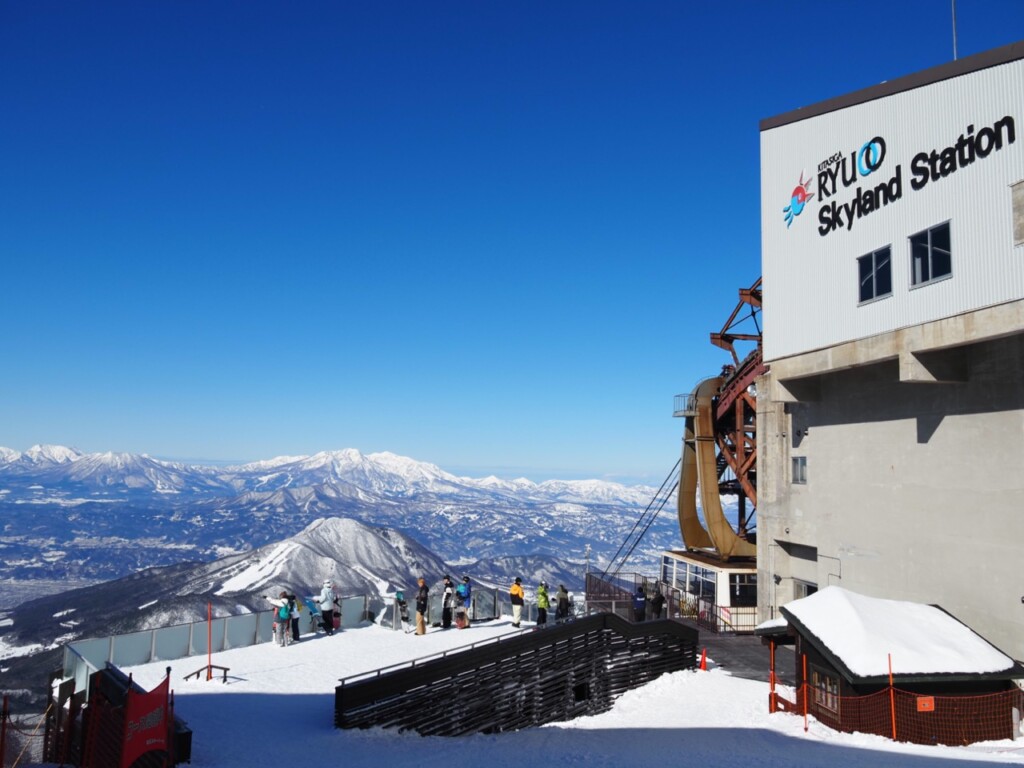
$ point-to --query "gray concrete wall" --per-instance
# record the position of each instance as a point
(915, 491)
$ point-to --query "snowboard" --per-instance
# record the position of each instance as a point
(316, 618)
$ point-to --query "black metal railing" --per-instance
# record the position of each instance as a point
(614, 594)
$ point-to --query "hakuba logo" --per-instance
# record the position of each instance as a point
(797, 201)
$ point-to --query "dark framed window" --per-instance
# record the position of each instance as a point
(743, 589)
(875, 270)
(931, 255)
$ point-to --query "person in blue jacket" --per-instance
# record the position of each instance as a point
(465, 599)
(639, 605)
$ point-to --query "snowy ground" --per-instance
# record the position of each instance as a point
(708, 719)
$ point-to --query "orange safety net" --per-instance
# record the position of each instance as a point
(954, 720)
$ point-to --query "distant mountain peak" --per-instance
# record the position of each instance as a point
(264, 464)
(52, 454)
(344, 456)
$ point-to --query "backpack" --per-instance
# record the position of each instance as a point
(284, 612)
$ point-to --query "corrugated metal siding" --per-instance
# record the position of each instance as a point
(811, 281)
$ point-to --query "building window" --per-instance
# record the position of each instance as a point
(875, 271)
(930, 255)
(800, 470)
(702, 582)
(802, 589)
(680, 580)
(826, 689)
(667, 564)
(743, 589)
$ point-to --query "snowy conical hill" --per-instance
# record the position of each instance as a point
(359, 559)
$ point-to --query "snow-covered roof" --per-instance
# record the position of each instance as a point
(862, 632)
(771, 626)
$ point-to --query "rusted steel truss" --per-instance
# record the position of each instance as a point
(736, 406)
(738, 444)
(750, 300)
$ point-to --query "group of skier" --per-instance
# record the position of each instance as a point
(287, 612)
(544, 601)
(518, 599)
(457, 602)
(456, 606)
(642, 606)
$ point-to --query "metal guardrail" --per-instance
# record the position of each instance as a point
(614, 594)
(419, 662)
(684, 405)
(486, 605)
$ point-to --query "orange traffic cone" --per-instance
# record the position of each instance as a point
(704, 660)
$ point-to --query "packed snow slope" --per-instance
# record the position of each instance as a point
(706, 719)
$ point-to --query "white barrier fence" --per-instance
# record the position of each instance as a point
(83, 657)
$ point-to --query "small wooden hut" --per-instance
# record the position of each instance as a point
(904, 670)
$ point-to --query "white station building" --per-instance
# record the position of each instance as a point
(891, 418)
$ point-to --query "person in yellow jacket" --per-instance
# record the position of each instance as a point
(516, 595)
(543, 603)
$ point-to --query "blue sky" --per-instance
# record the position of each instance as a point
(493, 236)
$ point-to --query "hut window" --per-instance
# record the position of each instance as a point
(826, 689)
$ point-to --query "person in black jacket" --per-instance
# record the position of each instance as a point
(447, 601)
(656, 604)
(561, 604)
(421, 607)
(294, 600)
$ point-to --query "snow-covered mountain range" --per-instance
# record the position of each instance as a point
(100, 516)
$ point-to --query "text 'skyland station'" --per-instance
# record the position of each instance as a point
(841, 172)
